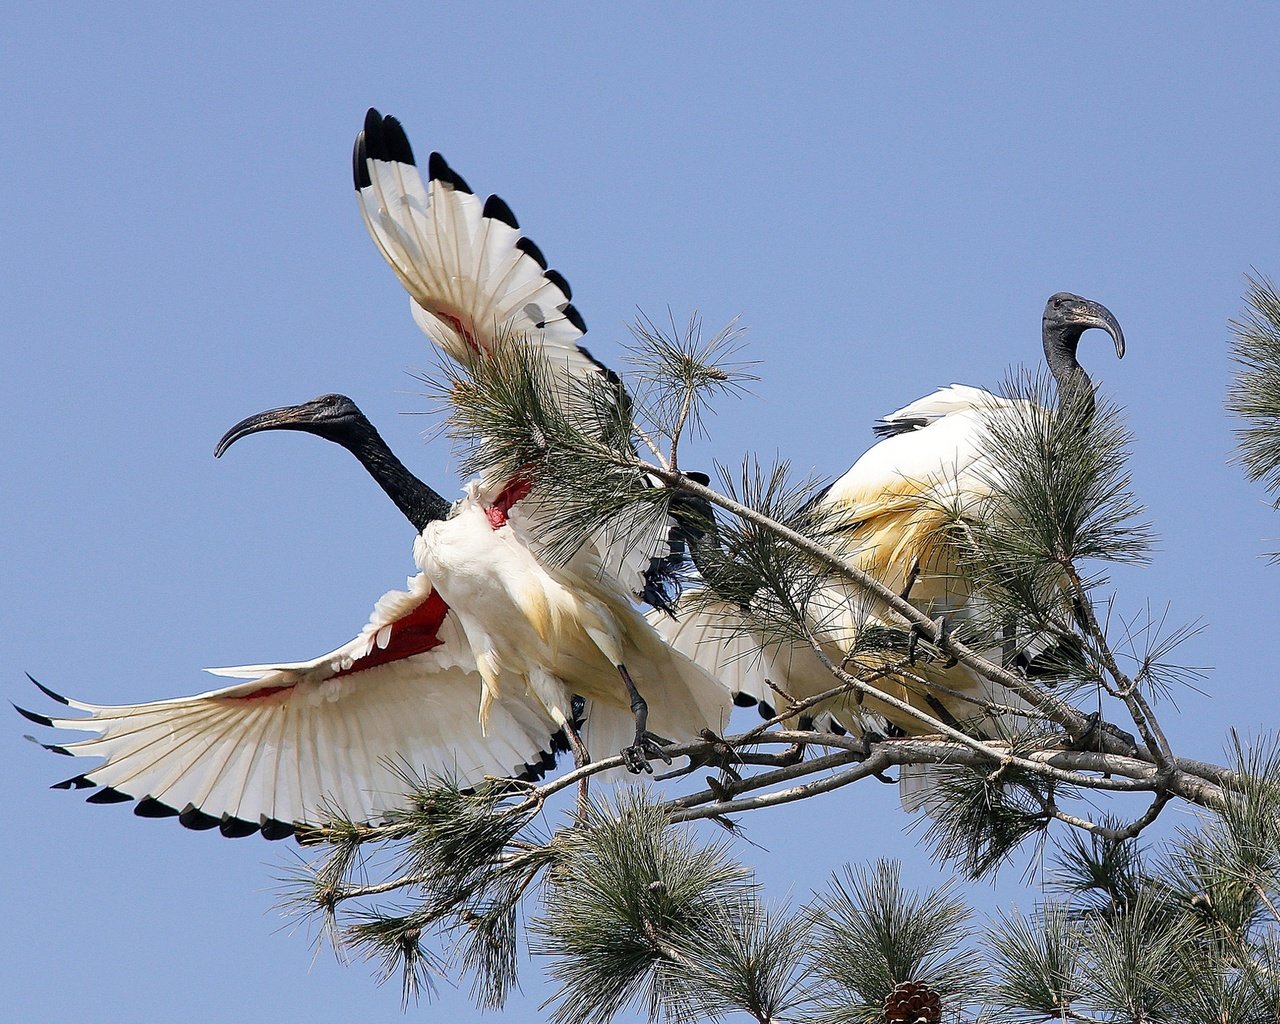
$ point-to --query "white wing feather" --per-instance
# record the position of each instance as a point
(303, 738)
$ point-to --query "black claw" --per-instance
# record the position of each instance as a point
(636, 757)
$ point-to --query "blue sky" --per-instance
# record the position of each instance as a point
(885, 195)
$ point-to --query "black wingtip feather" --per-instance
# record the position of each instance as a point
(107, 795)
(384, 139)
(904, 425)
(32, 716)
(396, 142)
(766, 710)
(530, 249)
(744, 700)
(46, 691)
(237, 828)
(495, 208)
(273, 829)
(75, 782)
(574, 317)
(150, 807)
(439, 170)
(360, 164)
(557, 279)
(193, 818)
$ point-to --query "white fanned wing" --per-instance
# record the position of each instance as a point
(339, 733)
(476, 284)
(474, 281)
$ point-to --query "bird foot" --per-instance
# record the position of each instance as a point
(1087, 740)
(942, 632)
(646, 747)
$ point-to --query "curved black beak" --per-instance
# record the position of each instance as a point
(1088, 313)
(288, 417)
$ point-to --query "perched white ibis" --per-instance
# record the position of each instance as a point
(888, 514)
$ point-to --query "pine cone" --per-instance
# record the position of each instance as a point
(913, 1002)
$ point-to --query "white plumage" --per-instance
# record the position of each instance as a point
(472, 671)
(891, 510)
(340, 732)
(475, 284)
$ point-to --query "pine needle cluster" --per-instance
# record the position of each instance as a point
(1184, 936)
(1254, 395)
(1058, 495)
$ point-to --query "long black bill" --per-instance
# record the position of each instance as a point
(288, 417)
(1094, 314)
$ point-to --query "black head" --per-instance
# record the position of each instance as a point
(334, 417)
(1068, 316)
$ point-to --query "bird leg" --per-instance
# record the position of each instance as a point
(581, 758)
(943, 627)
(636, 757)
(1009, 654)
(913, 574)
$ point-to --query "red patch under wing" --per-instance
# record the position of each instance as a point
(468, 335)
(516, 488)
(411, 634)
(266, 691)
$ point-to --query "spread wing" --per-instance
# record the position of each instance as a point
(296, 741)
(476, 284)
(474, 281)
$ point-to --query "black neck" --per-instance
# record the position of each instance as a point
(1074, 384)
(420, 504)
